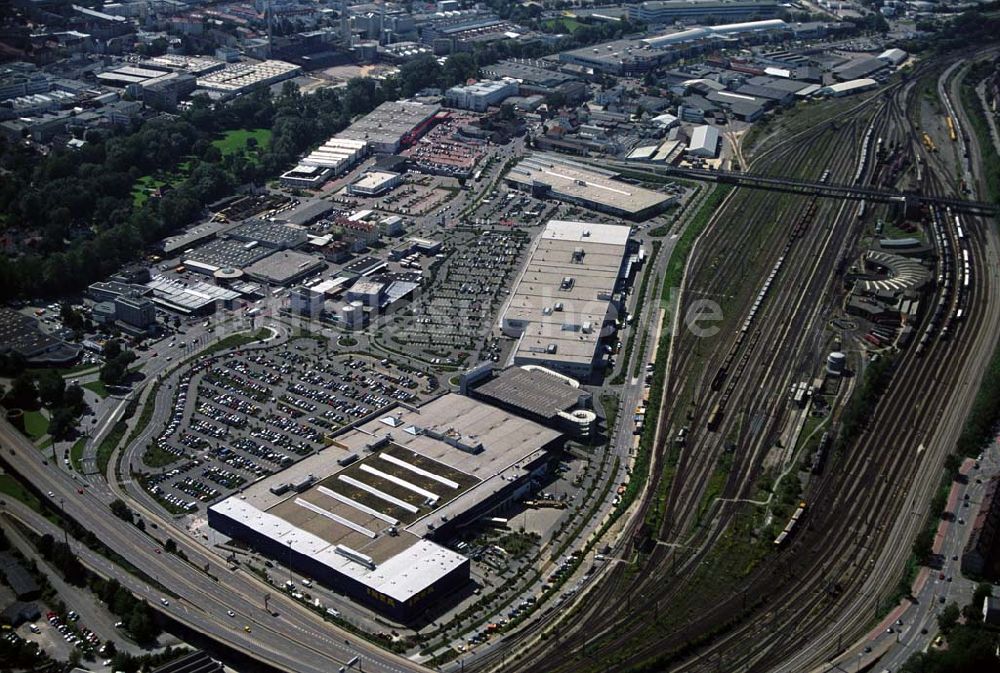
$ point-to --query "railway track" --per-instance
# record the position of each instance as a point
(690, 471)
(831, 559)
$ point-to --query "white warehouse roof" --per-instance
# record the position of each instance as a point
(851, 86)
(693, 34)
(704, 139)
(893, 56)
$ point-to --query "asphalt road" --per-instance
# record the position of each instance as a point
(297, 640)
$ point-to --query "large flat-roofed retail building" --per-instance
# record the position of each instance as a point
(566, 293)
(284, 267)
(669, 11)
(391, 125)
(361, 515)
(547, 175)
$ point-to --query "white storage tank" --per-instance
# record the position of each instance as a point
(835, 363)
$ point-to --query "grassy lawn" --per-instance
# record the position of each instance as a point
(157, 457)
(97, 387)
(610, 403)
(147, 184)
(12, 488)
(35, 424)
(234, 142)
(76, 453)
(65, 372)
(565, 24)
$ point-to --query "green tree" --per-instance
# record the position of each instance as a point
(112, 349)
(420, 73)
(22, 392)
(948, 617)
(62, 423)
(73, 398)
(923, 545)
(121, 510)
(51, 388)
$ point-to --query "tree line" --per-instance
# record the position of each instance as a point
(77, 206)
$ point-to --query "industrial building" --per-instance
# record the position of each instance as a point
(239, 78)
(269, 234)
(223, 253)
(859, 69)
(361, 516)
(305, 177)
(306, 301)
(135, 311)
(889, 274)
(552, 176)
(391, 125)
(374, 183)
(536, 393)
(704, 142)
(481, 95)
(633, 56)
(334, 157)
(21, 334)
(847, 88)
(284, 267)
(568, 290)
(196, 298)
(893, 57)
(669, 11)
(537, 78)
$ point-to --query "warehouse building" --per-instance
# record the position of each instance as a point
(223, 253)
(21, 334)
(392, 125)
(361, 516)
(552, 176)
(269, 234)
(704, 142)
(847, 88)
(196, 298)
(135, 311)
(284, 267)
(569, 289)
(893, 57)
(374, 183)
(481, 95)
(693, 11)
(535, 393)
(239, 78)
(334, 157)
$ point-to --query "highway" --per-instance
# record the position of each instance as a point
(296, 640)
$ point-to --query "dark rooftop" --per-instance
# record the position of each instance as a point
(534, 391)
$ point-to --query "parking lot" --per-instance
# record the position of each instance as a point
(455, 316)
(245, 415)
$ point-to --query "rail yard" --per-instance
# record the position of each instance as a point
(667, 347)
(840, 550)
